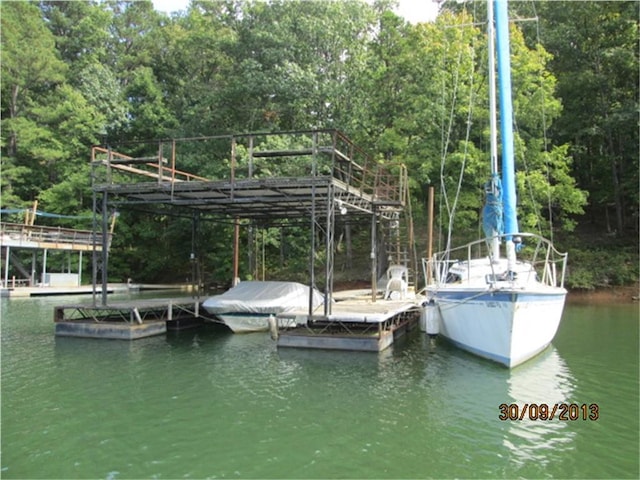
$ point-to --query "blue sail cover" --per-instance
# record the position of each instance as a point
(506, 116)
(492, 213)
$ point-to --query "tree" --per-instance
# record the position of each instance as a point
(26, 72)
(595, 58)
(81, 31)
(438, 121)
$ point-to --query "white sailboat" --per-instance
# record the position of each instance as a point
(506, 309)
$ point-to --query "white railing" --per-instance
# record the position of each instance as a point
(546, 262)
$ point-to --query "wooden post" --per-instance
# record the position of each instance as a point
(430, 236)
(30, 216)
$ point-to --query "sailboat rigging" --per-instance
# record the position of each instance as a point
(506, 309)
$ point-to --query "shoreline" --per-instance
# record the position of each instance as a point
(622, 294)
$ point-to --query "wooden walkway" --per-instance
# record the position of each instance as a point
(17, 235)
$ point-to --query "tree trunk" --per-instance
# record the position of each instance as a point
(13, 112)
(615, 179)
(347, 239)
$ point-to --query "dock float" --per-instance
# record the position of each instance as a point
(127, 320)
(357, 325)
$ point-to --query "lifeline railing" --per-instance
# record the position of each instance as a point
(543, 257)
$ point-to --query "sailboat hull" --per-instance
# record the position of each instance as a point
(508, 327)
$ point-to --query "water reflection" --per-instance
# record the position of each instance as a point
(463, 393)
(307, 357)
(544, 382)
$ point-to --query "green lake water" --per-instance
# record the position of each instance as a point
(206, 403)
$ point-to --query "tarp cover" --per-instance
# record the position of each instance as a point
(263, 297)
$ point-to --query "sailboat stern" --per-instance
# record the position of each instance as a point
(536, 320)
(508, 327)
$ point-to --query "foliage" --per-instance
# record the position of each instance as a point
(117, 72)
(595, 54)
(591, 268)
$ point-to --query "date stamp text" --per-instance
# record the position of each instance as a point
(543, 411)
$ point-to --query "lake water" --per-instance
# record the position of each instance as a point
(210, 404)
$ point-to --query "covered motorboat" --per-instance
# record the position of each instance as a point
(248, 306)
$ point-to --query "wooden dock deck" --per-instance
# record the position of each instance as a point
(127, 320)
(354, 324)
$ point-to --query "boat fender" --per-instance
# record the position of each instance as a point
(430, 318)
(273, 327)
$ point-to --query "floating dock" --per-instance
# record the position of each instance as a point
(354, 324)
(127, 320)
(360, 325)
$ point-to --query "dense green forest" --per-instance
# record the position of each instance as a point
(83, 73)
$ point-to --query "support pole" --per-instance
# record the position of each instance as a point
(80, 269)
(195, 257)
(105, 247)
(236, 253)
(330, 235)
(173, 160)
(6, 267)
(312, 253)
(94, 236)
(374, 256)
(44, 267)
(430, 236)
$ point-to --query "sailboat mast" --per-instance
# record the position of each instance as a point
(492, 90)
(493, 182)
(506, 117)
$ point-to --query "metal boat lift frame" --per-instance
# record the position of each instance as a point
(336, 176)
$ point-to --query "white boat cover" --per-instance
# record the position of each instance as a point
(263, 297)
